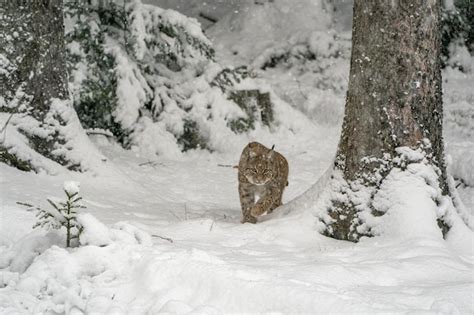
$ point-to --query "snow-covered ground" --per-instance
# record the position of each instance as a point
(214, 264)
(165, 235)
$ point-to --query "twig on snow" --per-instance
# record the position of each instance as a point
(228, 165)
(100, 133)
(206, 16)
(174, 215)
(152, 163)
(163, 238)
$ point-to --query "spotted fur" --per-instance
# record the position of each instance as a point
(263, 173)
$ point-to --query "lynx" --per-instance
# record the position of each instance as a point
(263, 173)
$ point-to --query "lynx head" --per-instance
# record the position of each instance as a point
(260, 165)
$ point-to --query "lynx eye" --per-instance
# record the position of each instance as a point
(268, 172)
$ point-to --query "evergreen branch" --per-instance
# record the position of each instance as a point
(53, 204)
(77, 199)
(70, 196)
(24, 204)
(62, 214)
(4, 128)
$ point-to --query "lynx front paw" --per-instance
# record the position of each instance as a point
(248, 219)
(256, 211)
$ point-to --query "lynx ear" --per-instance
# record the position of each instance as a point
(270, 152)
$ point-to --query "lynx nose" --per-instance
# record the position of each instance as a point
(260, 179)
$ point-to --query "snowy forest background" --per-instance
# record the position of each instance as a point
(164, 95)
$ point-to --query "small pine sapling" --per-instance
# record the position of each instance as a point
(63, 214)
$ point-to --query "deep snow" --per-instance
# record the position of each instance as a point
(214, 264)
(163, 234)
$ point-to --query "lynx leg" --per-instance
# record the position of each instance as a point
(260, 207)
(272, 203)
(247, 200)
(248, 218)
(263, 205)
(277, 201)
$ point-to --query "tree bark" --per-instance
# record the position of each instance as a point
(394, 97)
(33, 70)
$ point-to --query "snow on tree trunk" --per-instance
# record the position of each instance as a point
(36, 115)
(394, 100)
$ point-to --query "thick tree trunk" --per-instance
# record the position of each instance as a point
(394, 98)
(33, 74)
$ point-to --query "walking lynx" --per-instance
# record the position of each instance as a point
(263, 173)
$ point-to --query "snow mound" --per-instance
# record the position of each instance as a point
(272, 268)
(75, 149)
(60, 280)
(408, 200)
(94, 233)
